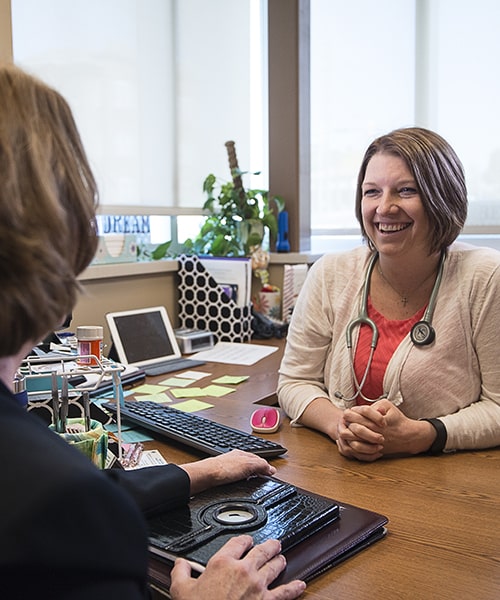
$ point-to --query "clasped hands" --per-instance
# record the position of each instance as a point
(369, 432)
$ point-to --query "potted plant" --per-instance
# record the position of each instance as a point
(238, 218)
(240, 221)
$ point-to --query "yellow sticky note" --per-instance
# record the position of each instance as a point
(231, 379)
(217, 390)
(194, 392)
(156, 398)
(192, 405)
(149, 388)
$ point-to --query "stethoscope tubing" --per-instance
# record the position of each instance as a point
(422, 333)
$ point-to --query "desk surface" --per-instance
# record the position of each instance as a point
(444, 526)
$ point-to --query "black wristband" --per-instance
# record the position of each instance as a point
(439, 443)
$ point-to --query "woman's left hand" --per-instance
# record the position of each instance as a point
(397, 434)
(402, 434)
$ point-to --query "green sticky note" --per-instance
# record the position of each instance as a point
(131, 436)
(159, 398)
(149, 388)
(193, 405)
(113, 427)
(231, 379)
(217, 390)
(194, 392)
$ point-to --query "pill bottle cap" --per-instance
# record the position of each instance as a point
(89, 332)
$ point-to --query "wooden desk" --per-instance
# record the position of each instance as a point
(444, 527)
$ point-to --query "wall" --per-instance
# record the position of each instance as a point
(101, 296)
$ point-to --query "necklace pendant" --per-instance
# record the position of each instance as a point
(404, 300)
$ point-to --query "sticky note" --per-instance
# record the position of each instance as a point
(193, 375)
(194, 392)
(159, 398)
(193, 405)
(231, 379)
(149, 388)
(217, 390)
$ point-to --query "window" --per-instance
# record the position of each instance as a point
(360, 87)
(394, 63)
(157, 88)
(202, 67)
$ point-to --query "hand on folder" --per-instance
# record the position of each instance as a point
(237, 572)
(225, 468)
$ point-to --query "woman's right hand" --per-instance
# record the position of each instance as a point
(225, 468)
(360, 433)
(237, 571)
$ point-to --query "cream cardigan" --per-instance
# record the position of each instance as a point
(457, 378)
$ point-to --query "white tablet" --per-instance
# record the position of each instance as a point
(143, 337)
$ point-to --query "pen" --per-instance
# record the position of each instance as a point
(55, 401)
(118, 395)
(86, 410)
(64, 404)
(196, 567)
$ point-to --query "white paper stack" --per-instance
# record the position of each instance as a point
(233, 272)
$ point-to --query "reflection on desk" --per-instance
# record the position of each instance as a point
(444, 532)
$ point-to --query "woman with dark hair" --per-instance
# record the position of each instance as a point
(67, 529)
(392, 348)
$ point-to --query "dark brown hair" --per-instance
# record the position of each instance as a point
(438, 174)
(48, 198)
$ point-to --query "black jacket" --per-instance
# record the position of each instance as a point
(67, 529)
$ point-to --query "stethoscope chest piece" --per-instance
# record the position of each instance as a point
(422, 333)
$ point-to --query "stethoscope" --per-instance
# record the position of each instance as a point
(422, 333)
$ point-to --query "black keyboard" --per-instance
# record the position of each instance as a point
(169, 366)
(200, 433)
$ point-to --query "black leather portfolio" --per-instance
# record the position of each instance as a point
(316, 532)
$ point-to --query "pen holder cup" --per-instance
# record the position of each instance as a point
(93, 443)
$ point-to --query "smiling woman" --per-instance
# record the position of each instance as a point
(429, 165)
(393, 215)
(368, 347)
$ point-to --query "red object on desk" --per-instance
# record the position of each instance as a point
(265, 420)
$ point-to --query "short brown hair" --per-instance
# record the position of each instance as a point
(48, 198)
(438, 174)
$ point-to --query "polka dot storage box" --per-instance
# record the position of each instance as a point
(205, 305)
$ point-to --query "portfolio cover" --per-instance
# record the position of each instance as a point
(315, 532)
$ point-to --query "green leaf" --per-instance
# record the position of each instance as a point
(270, 221)
(161, 251)
(209, 184)
(280, 203)
(254, 239)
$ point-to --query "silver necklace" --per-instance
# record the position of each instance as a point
(403, 297)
